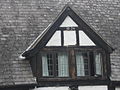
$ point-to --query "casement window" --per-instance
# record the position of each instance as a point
(83, 64)
(88, 63)
(68, 49)
(55, 64)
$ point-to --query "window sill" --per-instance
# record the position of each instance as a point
(71, 79)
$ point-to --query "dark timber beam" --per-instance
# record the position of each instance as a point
(73, 87)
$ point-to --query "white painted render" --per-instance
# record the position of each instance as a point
(92, 88)
(79, 88)
(117, 88)
(55, 40)
(52, 88)
(69, 38)
(85, 40)
(68, 22)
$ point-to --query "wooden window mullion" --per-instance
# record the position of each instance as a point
(88, 58)
(54, 64)
(92, 63)
(72, 64)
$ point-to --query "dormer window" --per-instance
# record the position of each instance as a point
(69, 49)
(57, 63)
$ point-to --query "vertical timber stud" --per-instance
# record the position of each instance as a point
(72, 64)
(111, 87)
(73, 87)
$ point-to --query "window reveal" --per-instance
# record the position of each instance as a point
(55, 64)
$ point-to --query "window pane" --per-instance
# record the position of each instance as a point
(69, 38)
(55, 40)
(98, 59)
(62, 64)
(82, 62)
(85, 40)
(55, 63)
(47, 64)
(44, 65)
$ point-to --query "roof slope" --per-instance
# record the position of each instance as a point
(21, 21)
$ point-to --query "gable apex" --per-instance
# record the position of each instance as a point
(68, 22)
(76, 20)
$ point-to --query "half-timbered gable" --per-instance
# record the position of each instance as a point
(70, 53)
(59, 44)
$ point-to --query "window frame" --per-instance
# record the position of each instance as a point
(74, 49)
(48, 50)
(88, 58)
(94, 51)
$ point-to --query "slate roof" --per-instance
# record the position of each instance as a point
(21, 21)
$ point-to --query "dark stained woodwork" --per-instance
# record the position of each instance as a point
(62, 38)
(77, 37)
(39, 65)
(111, 86)
(73, 87)
(77, 82)
(18, 87)
(104, 64)
(33, 63)
(72, 64)
(92, 64)
(69, 28)
(108, 65)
